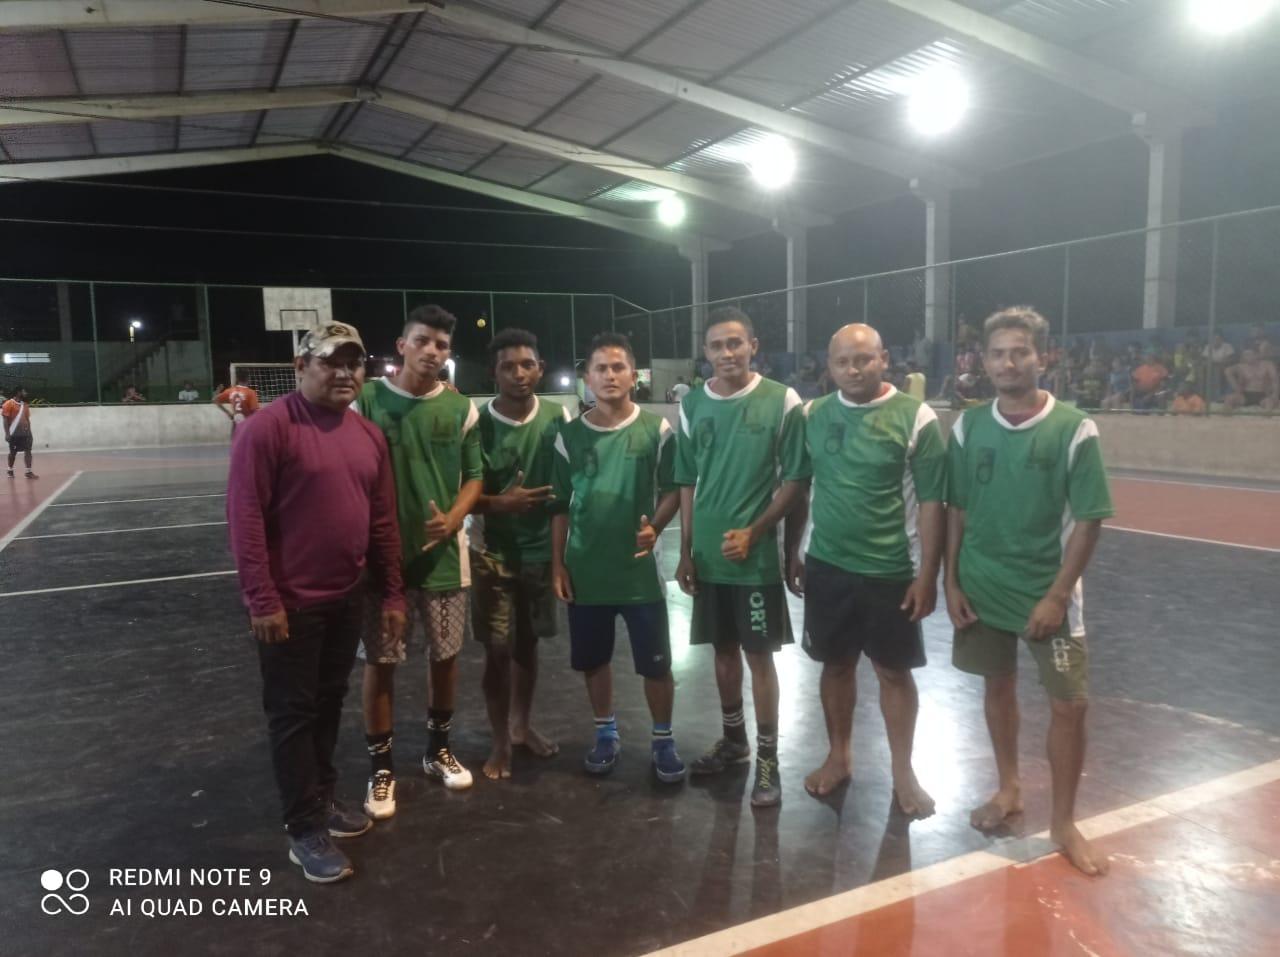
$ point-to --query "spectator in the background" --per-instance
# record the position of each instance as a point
(678, 391)
(916, 383)
(1057, 379)
(1091, 385)
(805, 379)
(1260, 344)
(188, 393)
(16, 413)
(1188, 401)
(1119, 386)
(1149, 383)
(1253, 383)
(921, 350)
(1218, 355)
(131, 394)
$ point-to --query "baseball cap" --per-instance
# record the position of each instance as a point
(323, 341)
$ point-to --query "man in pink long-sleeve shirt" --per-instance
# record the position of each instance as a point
(310, 499)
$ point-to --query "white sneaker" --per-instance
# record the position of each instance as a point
(380, 796)
(446, 769)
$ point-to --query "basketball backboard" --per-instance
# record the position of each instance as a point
(286, 308)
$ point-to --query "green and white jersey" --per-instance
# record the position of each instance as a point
(434, 449)
(607, 479)
(510, 446)
(1022, 489)
(735, 450)
(873, 464)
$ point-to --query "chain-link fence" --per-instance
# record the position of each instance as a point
(86, 342)
(1161, 294)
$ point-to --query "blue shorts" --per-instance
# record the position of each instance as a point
(592, 629)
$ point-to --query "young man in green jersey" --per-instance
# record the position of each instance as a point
(1027, 494)
(741, 466)
(614, 495)
(871, 553)
(435, 454)
(512, 604)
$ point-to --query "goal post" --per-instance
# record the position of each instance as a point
(269, 379)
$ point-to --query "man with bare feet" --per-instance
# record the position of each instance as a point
(1027, 494)
(1253, 383)
(868, 568)
(512, 604)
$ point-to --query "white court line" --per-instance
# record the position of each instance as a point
(808, 917)
(115, 531)
(35, 513)
(1230, 488)
(132, 581)
(1190, 538)
(127, 501)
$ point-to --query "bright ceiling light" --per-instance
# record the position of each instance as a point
(772, 162)
(1226, 16)
(937, 101)
(671, 210)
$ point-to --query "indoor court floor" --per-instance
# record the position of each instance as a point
(132, 737)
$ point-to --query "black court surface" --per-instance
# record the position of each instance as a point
(133, 745)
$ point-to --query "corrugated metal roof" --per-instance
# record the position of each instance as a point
(674, 131)
(514, 166)
(525, 10)
(576, 183)
(217, 132)
(383, 130)
(1067, 20)
(525, 86)
(617, 26)
(295, 126)
(439, 68)
(25, 143)
(35, 64)
(601, 110)
(327, 51)
(453, 149)
(126, 61)
(115, 137)
(236, 57)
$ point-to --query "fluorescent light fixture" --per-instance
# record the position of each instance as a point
(772, 162)
(671, 211)
(1221, 17)
(26, 358)
(937, 101)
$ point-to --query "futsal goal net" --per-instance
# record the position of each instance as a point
(269, 379)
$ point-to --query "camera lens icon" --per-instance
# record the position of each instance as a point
(74, 880)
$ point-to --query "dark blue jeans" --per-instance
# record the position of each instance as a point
(304, 681)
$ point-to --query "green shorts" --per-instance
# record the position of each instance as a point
(512, 606)
(1063, 659)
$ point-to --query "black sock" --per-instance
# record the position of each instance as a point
(735, 722)
(439, 721)
(379, 746)
(767, 741)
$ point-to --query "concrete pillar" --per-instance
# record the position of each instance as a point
(694, 249)
(64, 312)
(937, 249)
(797, 275)
(1164, 205)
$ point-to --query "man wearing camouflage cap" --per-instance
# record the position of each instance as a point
(310, 498)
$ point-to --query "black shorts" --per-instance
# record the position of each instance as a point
(1250, 399)
(20, 443)
(592, 629)
(753, 616)
(846, 614)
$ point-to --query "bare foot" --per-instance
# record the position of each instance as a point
(992, 814)
(1079, 851)
(498, 767)
(827, 778)
(912, 798)
(536, 742)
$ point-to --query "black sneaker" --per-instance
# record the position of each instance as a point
(722, 754)
(346, 822)
(767, 791)
(321, 862)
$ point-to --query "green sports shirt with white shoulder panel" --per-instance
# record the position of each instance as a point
(735, 450)
(510, 446)
(434, 449)
(873, 464)
(607, 479)
(1022, 488)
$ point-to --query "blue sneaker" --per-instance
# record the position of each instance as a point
(601, 758)
(666, 762)
(345, 822)
(321, 862)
